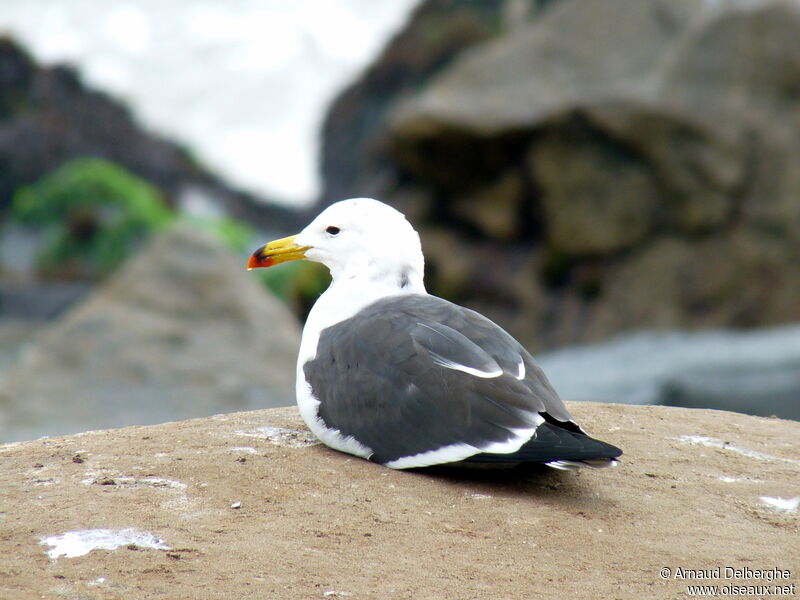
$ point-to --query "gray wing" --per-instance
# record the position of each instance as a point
(413, 374)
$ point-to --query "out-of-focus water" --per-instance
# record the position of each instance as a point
(754, 372)
(243, 83)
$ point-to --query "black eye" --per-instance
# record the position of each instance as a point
(333, 230)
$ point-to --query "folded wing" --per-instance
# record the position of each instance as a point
(422, 381)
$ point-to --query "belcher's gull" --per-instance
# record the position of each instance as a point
(397, 376)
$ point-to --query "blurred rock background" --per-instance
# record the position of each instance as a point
(617, 175)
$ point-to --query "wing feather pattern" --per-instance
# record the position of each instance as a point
(415, 374)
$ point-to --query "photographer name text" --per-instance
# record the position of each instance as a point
(728, 573)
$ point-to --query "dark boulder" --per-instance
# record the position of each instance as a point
(604, 167)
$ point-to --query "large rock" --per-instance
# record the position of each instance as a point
(181, 330)
(741, 70)
(572, 53)
(609, 166)
(742, 62)
(635, 169)
(247, 506)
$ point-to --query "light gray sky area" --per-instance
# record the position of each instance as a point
(243, 83)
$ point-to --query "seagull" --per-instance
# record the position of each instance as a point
(405, 379)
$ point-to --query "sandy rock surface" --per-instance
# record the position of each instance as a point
(246, 505)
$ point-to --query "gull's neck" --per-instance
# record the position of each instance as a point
(348, 295)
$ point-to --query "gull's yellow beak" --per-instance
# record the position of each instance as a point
(277, 252)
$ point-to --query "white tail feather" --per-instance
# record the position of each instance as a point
(574, 465)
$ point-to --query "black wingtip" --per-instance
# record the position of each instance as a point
(552, 444)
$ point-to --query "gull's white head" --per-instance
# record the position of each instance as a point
(360, 239)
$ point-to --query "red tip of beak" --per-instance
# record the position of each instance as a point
(277, 252)
(258, 260)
